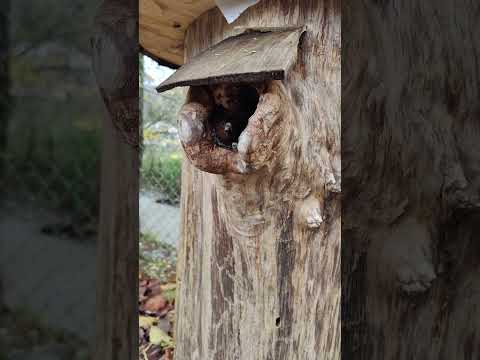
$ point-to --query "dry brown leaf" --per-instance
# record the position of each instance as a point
(155, 304)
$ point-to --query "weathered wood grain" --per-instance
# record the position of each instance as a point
(259, 257)
(115, 63)
(163, 24)
(254, 56)
(411, 175)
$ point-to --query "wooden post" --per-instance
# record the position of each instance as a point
(115, 60)
(259, 259)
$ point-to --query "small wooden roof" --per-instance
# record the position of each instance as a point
(163, 24)
(254, 55)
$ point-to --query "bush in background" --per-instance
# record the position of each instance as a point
(161, 172)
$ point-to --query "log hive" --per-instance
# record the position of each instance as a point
(259, 258)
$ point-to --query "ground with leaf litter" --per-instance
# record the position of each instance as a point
(24, 337)
(156, 299)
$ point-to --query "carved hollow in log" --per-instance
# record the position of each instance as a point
(230, 128)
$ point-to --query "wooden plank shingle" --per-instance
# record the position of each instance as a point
(253, 56)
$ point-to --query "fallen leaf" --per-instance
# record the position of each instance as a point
(169, 354)
(146, 321)
(155, 303)
(160, 337)
(154, 287)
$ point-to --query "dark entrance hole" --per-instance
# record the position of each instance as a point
(234, 104)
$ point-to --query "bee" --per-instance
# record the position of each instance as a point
(225, 128)
(234, 104)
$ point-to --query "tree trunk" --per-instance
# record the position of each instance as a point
(4, 82)
(410, 249)
(259, 258)
(115, 61)
(4, 104)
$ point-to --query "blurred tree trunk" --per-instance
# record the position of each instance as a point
(141, 101)
(259, 259)
(4, 103)
(4, 81)
(115, 61)
(411, 180)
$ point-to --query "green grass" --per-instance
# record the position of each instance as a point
(161, 171)
(53, 155)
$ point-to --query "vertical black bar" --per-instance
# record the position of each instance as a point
(4, 80)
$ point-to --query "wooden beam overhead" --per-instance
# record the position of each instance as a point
(163, 24)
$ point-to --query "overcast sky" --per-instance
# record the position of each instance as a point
(156, 72)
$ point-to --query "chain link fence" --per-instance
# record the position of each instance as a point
(50, 130)
(160, 173)
(160, 186)
(48, 229)
(63, 182)
(159, 198)
(159, 202)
